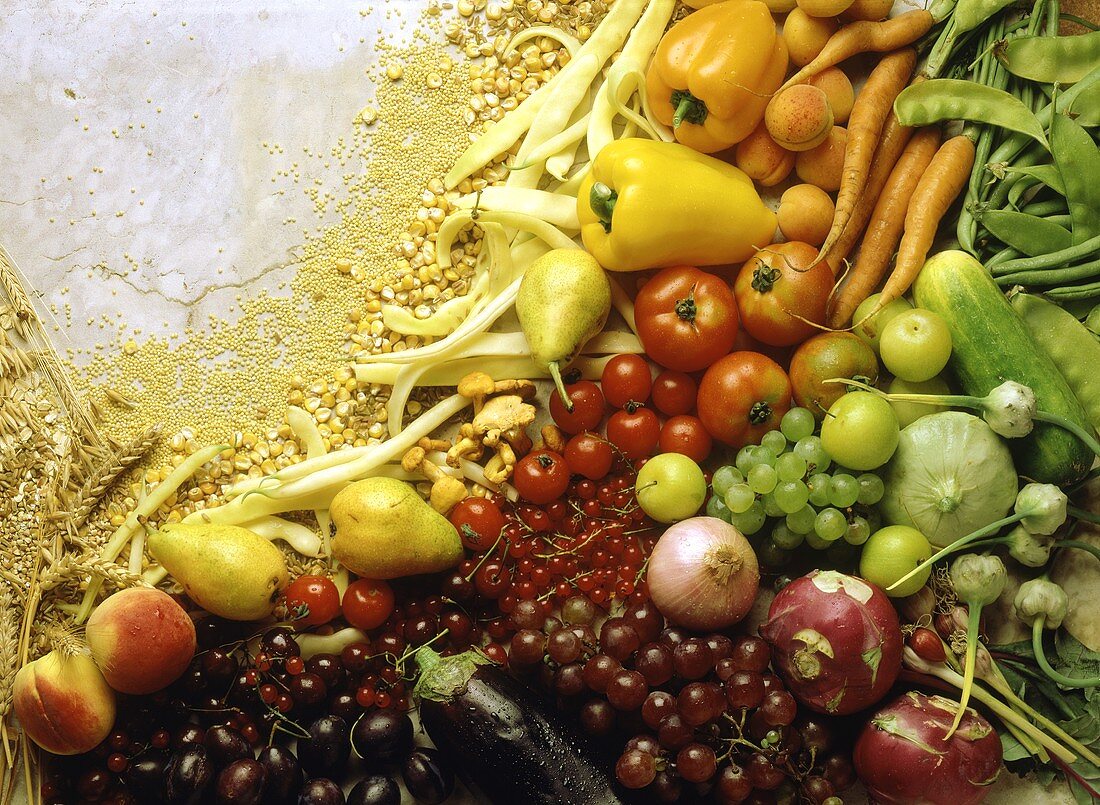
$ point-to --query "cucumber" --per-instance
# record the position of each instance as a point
(991, 344)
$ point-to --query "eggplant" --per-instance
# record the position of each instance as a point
(503, 738)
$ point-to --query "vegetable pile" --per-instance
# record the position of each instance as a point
(571, 581)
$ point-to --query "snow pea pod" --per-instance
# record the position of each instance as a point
(1078, 160)
(1086, 106)
(1051, 276)
(1051, 60)
(969, 14)
(943, 99)
(1026, 233)
(1047, 174)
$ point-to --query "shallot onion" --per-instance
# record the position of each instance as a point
(703, 574)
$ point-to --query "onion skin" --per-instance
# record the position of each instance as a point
(703, 574)
(836, 641)
(902, 758)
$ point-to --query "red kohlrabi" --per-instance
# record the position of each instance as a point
(836, 641)
(903, 758)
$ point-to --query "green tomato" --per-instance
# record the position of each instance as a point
(915, 345)
(870, 329)
(860, 431)
(910, 412)
(670, 487)
(891, 553)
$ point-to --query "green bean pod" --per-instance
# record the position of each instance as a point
(1078, 160)
(1071, 255)
(1051, 276)
(1073, 292)
(1051, 60)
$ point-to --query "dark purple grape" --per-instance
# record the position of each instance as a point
(320, 791)
(569, 680)
(224, 745)
(816, 734)
(528, 614)
(145, 776)
(692, 659)
(618, 638)
(779, 708)
(666, 787)
(751, 654)
(674, 733)
(734, 784)
(375, 789)
(282, 775)
(646, 742)
(598, 671)
(328, 667)
(646, 620)
(720, 646)
(635, 768)
(382, 736)
(817, 789)
(427, 777)
(627, 690)
(597, 717)
(528, 647)
(840, 773)
(763, 773)
(189, 775)
(700, 702)
(654, 662)
(696, 763)
(564, 646)
(280, 643)
(657, 705)
(241, 783)
(672, 636)
(325, 753)
(188, 734)
(744, 689)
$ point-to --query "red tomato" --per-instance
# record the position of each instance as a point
(826, 356)
(479, 522)
(590, 455)
(312, 600)
(588, 407)
(626, 378)
(674, 392)
(685, 434)
(778, 284)
(541, 476)
(367, 603)
(635, 431)
(687, 318)
(742, 397)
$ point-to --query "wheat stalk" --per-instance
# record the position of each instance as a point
(11, 281)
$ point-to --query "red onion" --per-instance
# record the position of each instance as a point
(703, 574)
(836, 641)
(902, 756)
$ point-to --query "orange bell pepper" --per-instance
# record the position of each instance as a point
(715, 71)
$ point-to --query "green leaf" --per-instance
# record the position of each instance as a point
(1080, 794)
(1075, 659)
(1011, 749)
(1021, 649)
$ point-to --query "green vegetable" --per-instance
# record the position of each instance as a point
(1043, 604)
(944, 99)
(1029, 234)
(991, 343)
(1051, 59)
(1078, 160)
(949, 476)
(978, 580)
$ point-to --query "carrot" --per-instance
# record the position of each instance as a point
(861, 37)
(890, 146)
(887, 221)
(947, 174)
(873, 105)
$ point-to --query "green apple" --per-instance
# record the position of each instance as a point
(915, 345)
(670, 487)
(860, 431)
(869, 327)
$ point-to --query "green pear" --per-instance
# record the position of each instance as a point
(225, 569)
(385, 530)
(563, 301)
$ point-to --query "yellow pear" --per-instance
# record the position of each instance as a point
(385, 530)
(225, 569)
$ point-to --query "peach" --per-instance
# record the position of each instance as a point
(823, 165)
(761, 158)
(806, 36)
(142, 640)
(799, 117)
(63, 702)
(838, 89)
(805, 213)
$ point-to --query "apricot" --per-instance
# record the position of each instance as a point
(141, 639)
(806, 36)
(762, 158)
(869, 10)
(824, 8)
(823, 165)
(838, 89)
(805, 213)
(799, 118)
(63, 702)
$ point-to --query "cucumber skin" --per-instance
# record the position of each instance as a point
(990, 344)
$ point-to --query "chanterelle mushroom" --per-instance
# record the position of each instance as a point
(478, 386)
(446, 491)
(501, 425)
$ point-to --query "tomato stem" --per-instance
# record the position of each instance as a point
(764, 278)
(686, 309)
(759, 413)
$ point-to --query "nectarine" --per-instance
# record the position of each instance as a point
(63, 702)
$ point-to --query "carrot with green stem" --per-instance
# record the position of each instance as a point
(948, 173)
(864, 37)
(872, 106)
(885, 228)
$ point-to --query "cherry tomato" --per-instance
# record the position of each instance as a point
(541, 476)
(312, 600)
(825, 356)
(778, 284)
(685, 434)
(674, 392)
(626, 378)
(635, 431)
(742, 397)
(588, 407)
(590, 455)
(687, 318)
(479, 522)
(367, 603)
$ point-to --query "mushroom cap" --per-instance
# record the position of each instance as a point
(504, 413)
(476, 384)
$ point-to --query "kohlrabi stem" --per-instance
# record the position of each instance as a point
(1081, 546)
(1041, 657)
(1072, 427)
(962, 400)
(968, 667)
(961, 542)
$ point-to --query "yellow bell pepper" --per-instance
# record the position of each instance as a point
(650, 204)
(714, 72)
